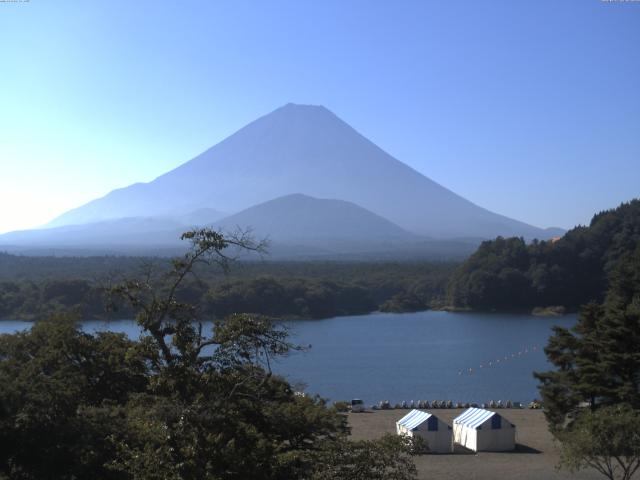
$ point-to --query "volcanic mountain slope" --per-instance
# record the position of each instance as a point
(308, 150)
(303, 219)
(300, 226)
(296, 226)
(292, 219)
(115, 233)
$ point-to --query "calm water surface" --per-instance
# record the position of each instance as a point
(412, 356)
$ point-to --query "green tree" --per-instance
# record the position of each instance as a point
(508, 273)
(390, 457)
(607, 440)
(214, 408)
(182, 402)
(598, 366)
(58, 389)
(598, 360)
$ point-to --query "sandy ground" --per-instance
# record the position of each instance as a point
(535, 456)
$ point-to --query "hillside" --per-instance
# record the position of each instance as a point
(297, 227)
(300, 219)
(507, 273)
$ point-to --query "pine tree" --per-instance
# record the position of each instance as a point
(598, 360)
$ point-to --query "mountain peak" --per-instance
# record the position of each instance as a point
(303, 106)
(309, 150)
(299, 112)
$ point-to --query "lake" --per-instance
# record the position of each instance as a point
(467, 357)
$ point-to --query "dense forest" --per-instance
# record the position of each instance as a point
(176, 403)
(507, 273)
(33, 287)
(503, 274)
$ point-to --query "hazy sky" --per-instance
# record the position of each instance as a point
(528, 108)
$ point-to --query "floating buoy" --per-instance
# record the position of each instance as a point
(492, 363)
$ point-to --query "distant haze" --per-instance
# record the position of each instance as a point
(303, 149)
(529, 109)
(300, 174)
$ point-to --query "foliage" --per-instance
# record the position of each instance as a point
(179, 403)
(389, 457)
(598, 361)
(607, 440)
(31, 289)
(507, 273)
(289, 298)
(60, 389)
(341, 406)
(592, 399)
(404, 302)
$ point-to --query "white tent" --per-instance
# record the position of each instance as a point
(482, 430)
(426, 425)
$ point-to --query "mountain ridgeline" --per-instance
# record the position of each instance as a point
(503, 274)
(508, 273)
(318, 185)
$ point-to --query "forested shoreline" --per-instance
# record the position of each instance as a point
(176, 403)
(505, 274)
(34, 287)
(510, 274)
(124, 406)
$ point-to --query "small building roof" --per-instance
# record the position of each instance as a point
(473, 417)
(414, 419)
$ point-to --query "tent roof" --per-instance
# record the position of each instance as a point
(413, 419)
(473, 417)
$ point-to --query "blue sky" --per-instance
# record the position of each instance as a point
(530, 109)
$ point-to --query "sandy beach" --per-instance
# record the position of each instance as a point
(535, 456)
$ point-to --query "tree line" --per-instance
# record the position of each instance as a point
(503, 274)
(283, 290)
(508, 273)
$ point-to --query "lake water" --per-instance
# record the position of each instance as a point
(467, 357)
